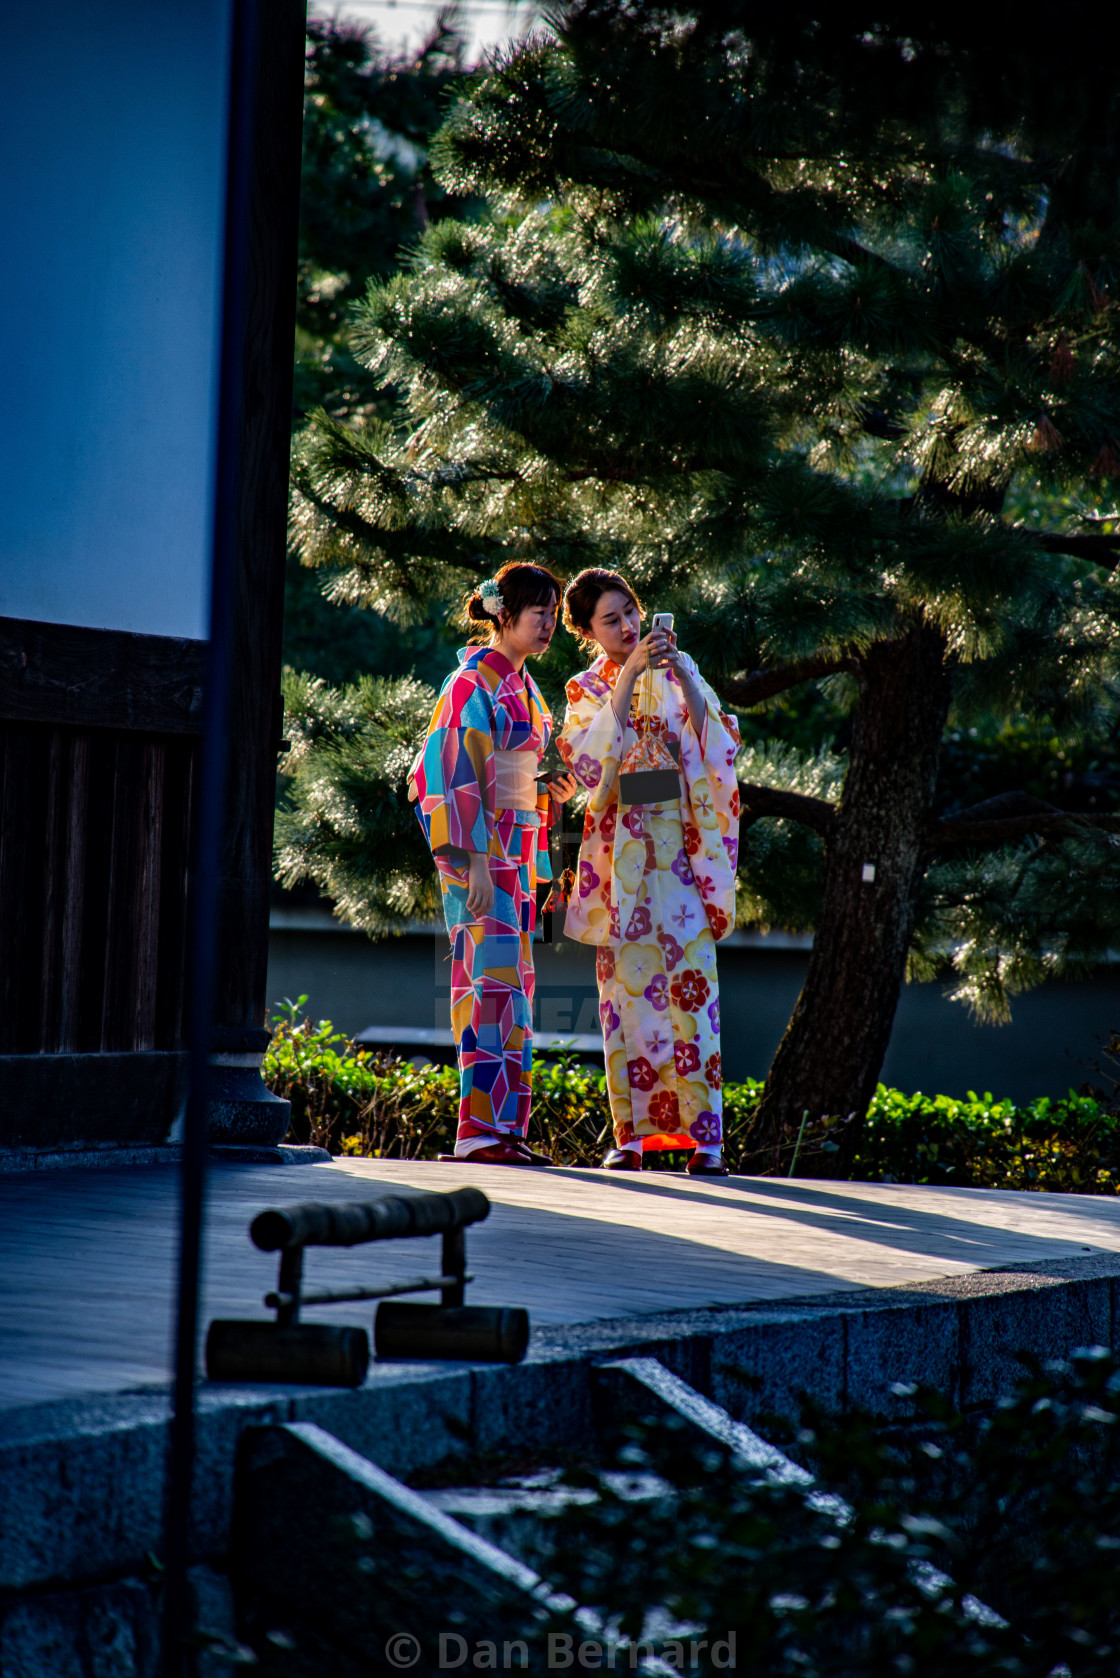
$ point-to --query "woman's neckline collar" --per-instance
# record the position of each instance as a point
(495, 659)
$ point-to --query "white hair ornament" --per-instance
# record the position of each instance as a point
(491, 596)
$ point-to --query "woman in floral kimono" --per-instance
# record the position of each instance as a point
(656, 884)
(475, 782)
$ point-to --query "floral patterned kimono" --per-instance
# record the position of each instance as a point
(656, 890)
(486, 706)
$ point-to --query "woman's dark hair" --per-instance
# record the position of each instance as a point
(583, 593)
(519, 585)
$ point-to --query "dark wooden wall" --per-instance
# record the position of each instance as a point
(99, 740)
(93, 889)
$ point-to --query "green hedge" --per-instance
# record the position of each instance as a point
(360, 1102)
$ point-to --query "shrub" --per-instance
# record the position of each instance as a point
(965, 1547)
(361, 1102)
(1071, 1145)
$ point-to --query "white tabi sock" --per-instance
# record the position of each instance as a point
(471, 1144)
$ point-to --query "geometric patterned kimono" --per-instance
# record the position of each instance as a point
(656, 891)
(487, 705)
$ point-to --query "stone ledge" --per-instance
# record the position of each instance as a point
(81, 1481)
(110, 1156)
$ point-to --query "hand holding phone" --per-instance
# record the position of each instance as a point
(663, 622)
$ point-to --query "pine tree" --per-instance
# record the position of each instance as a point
(367, 189)
(787, 316)
(367, 193)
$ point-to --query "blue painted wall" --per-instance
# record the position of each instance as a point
(112, 134)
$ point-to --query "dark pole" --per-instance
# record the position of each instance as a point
(202, 955)
(243, 1110)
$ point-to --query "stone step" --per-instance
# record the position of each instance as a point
(520, 1515)
(336, 1562)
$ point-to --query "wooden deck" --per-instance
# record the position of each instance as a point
(88, 1257)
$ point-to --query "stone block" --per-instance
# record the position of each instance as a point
(80, 1490)
(215, 1618)
(221, 1414)
(1030, 1313)
(109, 1632)
(403, 1419)
(121, 1627)
(82, 1483)
(331, 1550)
(39, 1640)
(241, 1110)
(522, 1520)
(765, 1364)
(540, 1406)
(900, 1346)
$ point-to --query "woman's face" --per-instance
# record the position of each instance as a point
(616, 624)
(529, 633)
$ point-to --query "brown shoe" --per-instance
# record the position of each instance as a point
(623, 1159)
(701, 1166)
(511, 1152)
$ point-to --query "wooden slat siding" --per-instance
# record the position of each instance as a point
(100, 678)
(22, 822)
(128, 1003)
(179, 782)
(55, 834)
(73, 918)
(9, 886)
(146, 899)
(6, 952)
(95, 836)
(97, 860)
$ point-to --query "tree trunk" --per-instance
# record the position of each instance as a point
(829, 1060)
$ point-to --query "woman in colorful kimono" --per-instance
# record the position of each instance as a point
(475, 782)
(656, 886)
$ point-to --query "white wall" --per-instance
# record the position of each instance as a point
(112, 140)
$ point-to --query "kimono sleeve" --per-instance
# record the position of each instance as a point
(454, 773)
(591, 740)
(712, 810)
(721, 740)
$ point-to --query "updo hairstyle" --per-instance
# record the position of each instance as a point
(519, 585)
(582, 595)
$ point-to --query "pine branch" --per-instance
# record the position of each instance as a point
(759, 801)
(1104, 551)
(778, 678)
(1011, 816)
(850, 250)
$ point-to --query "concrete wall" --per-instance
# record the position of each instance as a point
(1050, 1045)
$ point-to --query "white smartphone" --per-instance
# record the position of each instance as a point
(663, 620)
